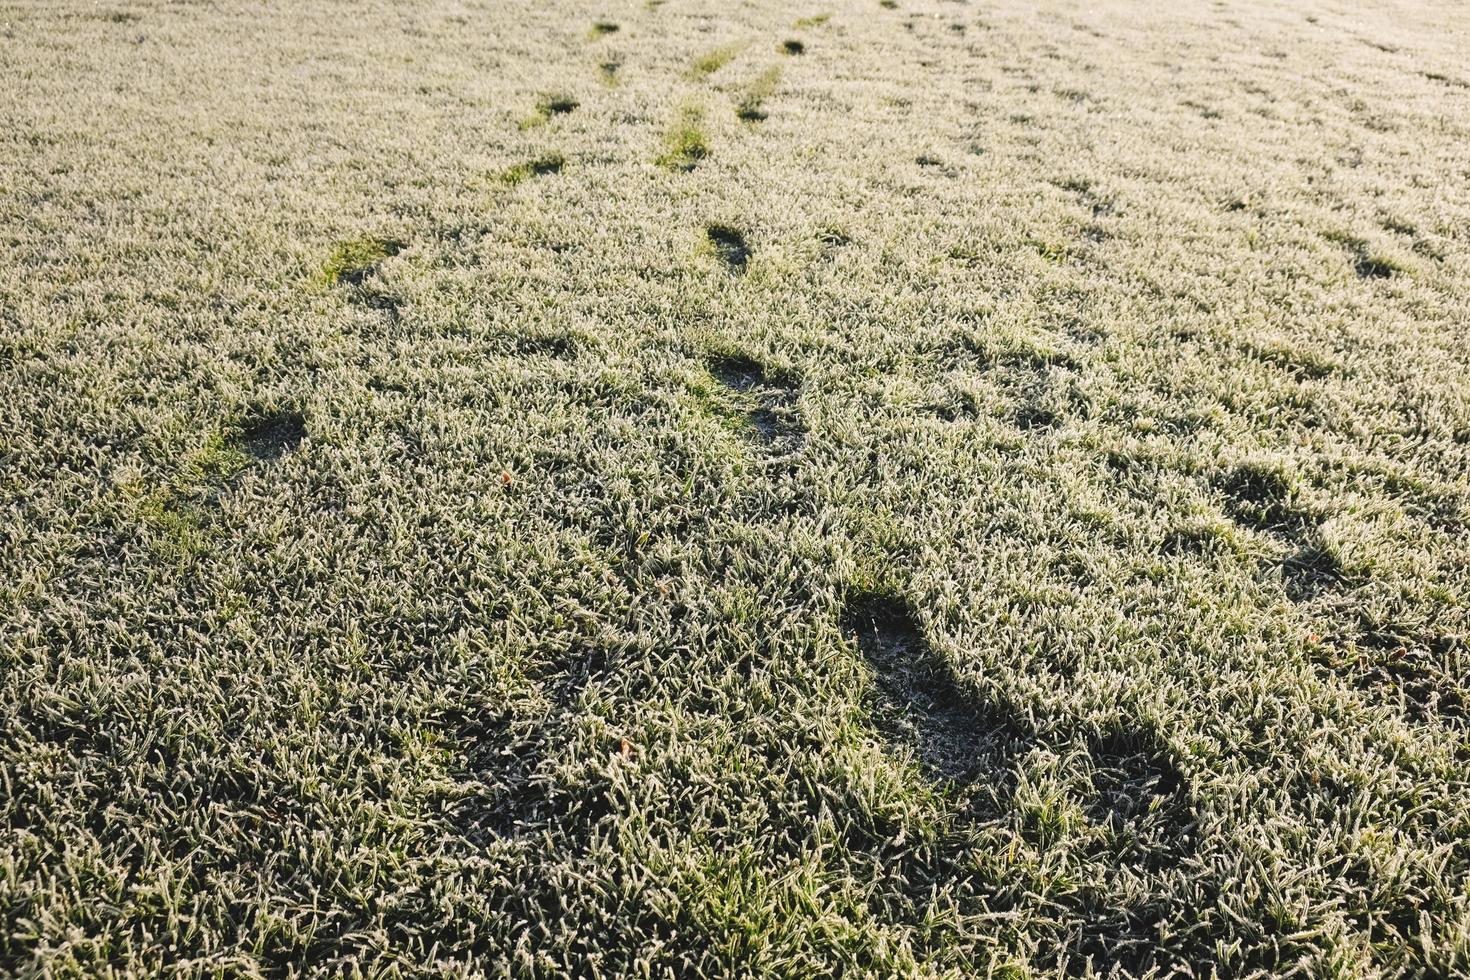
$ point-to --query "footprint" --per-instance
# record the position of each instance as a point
(385, 302)
(1369, 267)
(831, 239)
(685, 143)
(1262, 497)
(729, 246)
(1312, 569)
(766, 404)
(559, 105)
(1368, 262)
(1032, 417)
(1140, 796)
(575, 672)
(1041, 384)
(1101, 205)
(539, 343)
(268, 435)
(510, 758)
(352, 262)
(714, 59)
(548, 107)
(1444, 79)
(1136, 794)
(739, 374)
(920, 707)
(1298, 363)
(551, 163)
(752, 103)
(504, 762)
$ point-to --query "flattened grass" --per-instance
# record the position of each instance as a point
(685, 142)
(352, 261)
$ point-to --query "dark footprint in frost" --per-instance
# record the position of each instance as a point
(1312, 570)
(1143, 802)
(579, 669)
(729, 245)
(954, 736)
(510, 798)
(384, 302)
(1035, 417)
(1262, 497)
(1265, 499)
(1369, 267)
(354, 261)
(737, 373)
(1139, 794)
(269, 435)
(558, 106)
(767, 405)
(509, 761)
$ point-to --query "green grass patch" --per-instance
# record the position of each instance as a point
(551, 163)
(685, 142)
(548, 107)
(751, 106)
(179, 517)
(352, 261)
(175, 527)
(714, 59)
(1052, 251)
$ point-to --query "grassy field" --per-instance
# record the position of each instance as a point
(873, 487)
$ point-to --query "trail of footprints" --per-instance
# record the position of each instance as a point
(1138, 800)
(919, 707)
(1388, 663)
(958, 738)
